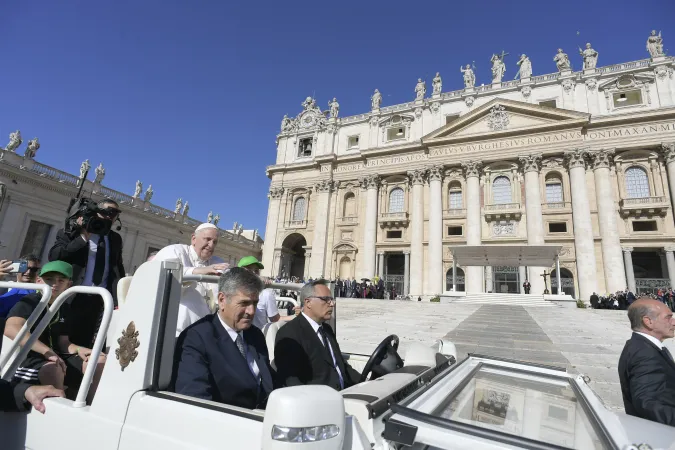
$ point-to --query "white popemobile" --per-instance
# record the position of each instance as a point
(429, 403)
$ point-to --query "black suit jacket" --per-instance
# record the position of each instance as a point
(11, 397)
(75, 251)
(301, 358)
(208, 365)
(647, 378)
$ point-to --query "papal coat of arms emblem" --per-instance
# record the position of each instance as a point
(498, 119)
(127, 353)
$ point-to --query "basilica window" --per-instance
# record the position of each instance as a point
(395, 133)
(299, 208)
(451, 118)
(637, 183)
(349, 209)
(554, 189)
(396, 200)
(305, 147)
(455, 196)
(627, 98)
(548, 103)
(501, 191)
(36, 238)
(352, 142)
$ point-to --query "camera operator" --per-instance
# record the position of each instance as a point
(95, 252)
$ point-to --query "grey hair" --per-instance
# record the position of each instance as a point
(238, 279)
(637, 311)
(309, 289)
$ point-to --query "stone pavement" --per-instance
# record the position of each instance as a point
(582, 340)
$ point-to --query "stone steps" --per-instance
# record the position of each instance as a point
(503, 299)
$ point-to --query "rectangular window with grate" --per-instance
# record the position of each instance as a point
(394, 234)
(557, 227)
(36, 238)
(554, 192)
(455, 200)
(455, 230)
(644, 225)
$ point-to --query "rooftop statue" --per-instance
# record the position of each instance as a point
(562, 61)
(309, 103)
(287, 124)
(179, 203)
(498, 67)
(84, 168)
(139, 188)
(186, 208)
(437, 84)
(216, 219)
(148, 194)
(14, 141)
(469, 77)
(334, 108)
(420, 89)
(209, 218)
(525, 65)
(655, 45)
(376, 100)
(590, 57)
(100, 173)
(33, 147)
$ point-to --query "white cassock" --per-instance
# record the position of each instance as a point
(196, 299)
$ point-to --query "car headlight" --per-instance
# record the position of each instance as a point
(304, 434)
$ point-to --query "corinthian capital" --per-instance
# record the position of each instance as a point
(576, 158)
(668, 150)
(435, 173)
(417, 176)
(530, 163)
(370, 182)
(276, 192)
(472, 168)
(325, 186)
(601, 159)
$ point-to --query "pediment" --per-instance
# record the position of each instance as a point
(500, 117)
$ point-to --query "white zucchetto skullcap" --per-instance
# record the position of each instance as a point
(205, 226)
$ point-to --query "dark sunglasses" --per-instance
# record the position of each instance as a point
(327, 298)
(32, 270)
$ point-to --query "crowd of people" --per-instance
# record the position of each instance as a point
(623, 299)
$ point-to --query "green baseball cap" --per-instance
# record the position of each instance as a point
(250, 261)
(61, 267)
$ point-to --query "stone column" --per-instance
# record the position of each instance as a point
(273, 209)
(531, 165)
(615, 275)
(406, 274)
(380, 265)
(628, 262)
(670, 262)
(668, 150)
(489, 283)
(417, 178)
(435, 263)
(583, 230)
(371, 184)
(323, 190)
(473, 274)
(454, 273)
(557, 275)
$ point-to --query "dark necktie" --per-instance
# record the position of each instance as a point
(99, 266)
(240, 345)
(322, 335)
(667, 353)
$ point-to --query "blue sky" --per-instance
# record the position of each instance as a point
(188, 95)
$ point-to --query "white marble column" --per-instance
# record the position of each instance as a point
(668, 150)
(531, 165)
(380, 264)
(583, 229)
(417, 178)
(371, 184)
(473, 274)
(324, 190)
(435, 251)
(630, 273)
(670, 262)
(271, 228)
(406, 274)
(615, 275)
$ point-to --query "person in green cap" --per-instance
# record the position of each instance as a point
(52, 355)
(266, 311)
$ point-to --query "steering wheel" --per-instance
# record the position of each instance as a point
(384, 359)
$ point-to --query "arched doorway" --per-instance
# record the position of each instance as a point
(345, 270)
(459, 280)
(293, 256)
(567, 283)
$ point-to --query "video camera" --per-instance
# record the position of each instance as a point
(89, 211)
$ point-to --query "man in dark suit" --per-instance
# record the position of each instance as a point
(306, 351)
(221, 357)
(646, 367)
(96, 261)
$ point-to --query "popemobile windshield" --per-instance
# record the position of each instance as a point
(431, 402)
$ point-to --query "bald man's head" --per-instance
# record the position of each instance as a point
(652, 317)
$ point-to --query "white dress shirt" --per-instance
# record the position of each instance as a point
(193, 302)
(316, 327)
(652, 339)
(91, 261)
(252, 365)
(267, 307)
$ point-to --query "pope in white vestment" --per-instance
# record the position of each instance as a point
(197, 299)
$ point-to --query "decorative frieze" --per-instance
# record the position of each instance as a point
(498, 118)
(370, 182)
(576, 158)
(668, 151)
(526, 91)
(417, 176)
(435, 107)
(276, 192)
(592, 84)
(435, 173)
(530, 163)
(568, 85)
(326, 186)
(504, 229)
(472, 168)
(601, 159)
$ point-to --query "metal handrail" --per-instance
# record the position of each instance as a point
(44, 301)
(108, 305)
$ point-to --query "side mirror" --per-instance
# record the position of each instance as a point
(304, 415)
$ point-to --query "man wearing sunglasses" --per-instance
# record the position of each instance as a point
(13, 295)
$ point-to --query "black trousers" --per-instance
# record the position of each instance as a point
(84, 317)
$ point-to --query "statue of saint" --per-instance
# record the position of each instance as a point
(655, 44)
(100, 173)
(334, 108)
(590, 57)
(437, 84)
(286, 123)
(179, 203)
(186, 208)
(469, 77)
(420, 89)
(139, 188)
(525, 65)
(216, 219)
(498, 68)
(31, 150)
(562, 61)
(14, 141)
(148, 194)
(308, 104)
(209, 218)
(84, 168)
(376, 100)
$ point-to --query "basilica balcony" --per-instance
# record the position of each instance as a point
(502, 211)
(556, 207)
(347, 220)
(643, 206)
(454, 213)
(394, 219)
(296, 224)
